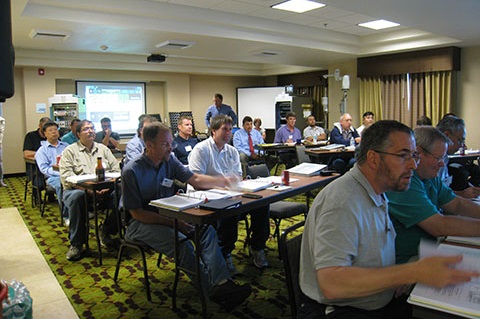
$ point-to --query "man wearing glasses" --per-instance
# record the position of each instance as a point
(463, 176)
(347, 261)
(429, 209)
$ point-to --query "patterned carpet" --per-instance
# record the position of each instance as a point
(93, 293)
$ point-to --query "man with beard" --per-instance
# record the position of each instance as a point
(347, 261)
(429, 209)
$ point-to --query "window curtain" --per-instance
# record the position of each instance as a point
(371, 97)
(438, 94)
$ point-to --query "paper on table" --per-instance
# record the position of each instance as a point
(90, 177)
(462, 299)
(176, 202)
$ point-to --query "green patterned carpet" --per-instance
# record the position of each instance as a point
(93, 294)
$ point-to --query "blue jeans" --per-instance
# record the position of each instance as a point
(161, 239)
(74, 201)
(54, 181)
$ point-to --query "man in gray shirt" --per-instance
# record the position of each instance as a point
(347, 262)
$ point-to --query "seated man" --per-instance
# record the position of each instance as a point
(150, 176)
(347, 261)
(344, 133)
(184, 142)
(312, 131)
(244, 140)
(368, 120)
(70, 137)
(33, 139)
(136, 145)
(215, 157)
(78, 159)
(288, 133)
(106, 136)
(429, 209)
(461, 172)
(46, 157)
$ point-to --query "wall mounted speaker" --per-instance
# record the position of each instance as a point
(7, 59)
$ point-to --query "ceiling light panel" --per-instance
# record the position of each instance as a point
(175, 44)
(378, 24)
(298, 6)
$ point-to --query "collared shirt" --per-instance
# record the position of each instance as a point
(213, 111)
(339, 136)
(69, 138)
(423, 199)
(33, 141)
(205, 158)
(134, 148)
(313, 131)
(79, 160)
(240, 140)
(46, 156)
(143, 182)
(283, 134)
(183, 148)
(347, 226)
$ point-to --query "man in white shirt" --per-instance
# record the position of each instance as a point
(215, 156)
(368, 120)
(312, 130)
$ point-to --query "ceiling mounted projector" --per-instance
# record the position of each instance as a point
(157, 58)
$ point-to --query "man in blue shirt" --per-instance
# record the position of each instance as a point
(136, 145)
(184, 142)
(219, 108)
(46, 157)
(429, 209)
(288, 134)
(71, 136)
(151, 176)
(244, 140)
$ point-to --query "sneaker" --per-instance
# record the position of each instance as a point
(75, 253)
(66, 221)
(258, 258)
(229, 294)
(91, 215)
(231, 267)
(3, 184)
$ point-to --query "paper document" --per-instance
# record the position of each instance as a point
(307, 169)
(462, 299)
(464, 240)
(254, 185)
(176, 202)
(90, 177)
(332, 147)
(211, 194)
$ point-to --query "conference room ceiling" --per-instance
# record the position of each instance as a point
(231, 37)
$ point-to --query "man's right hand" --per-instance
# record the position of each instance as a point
(438, 271)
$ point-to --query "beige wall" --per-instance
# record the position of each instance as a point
(335, 93)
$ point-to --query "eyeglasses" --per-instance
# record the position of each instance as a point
(168, 145)
(404, 156)
(442, 159)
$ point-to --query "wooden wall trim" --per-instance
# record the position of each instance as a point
(442, 59)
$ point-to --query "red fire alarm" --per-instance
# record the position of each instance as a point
(41, 71)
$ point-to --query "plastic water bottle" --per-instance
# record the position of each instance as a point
(352, 141)
(315, 138)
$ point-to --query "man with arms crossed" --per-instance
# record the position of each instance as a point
(313, 130)
(150, 176)
(347, 262)
(430, 209)
(184, 142)
(215, 157)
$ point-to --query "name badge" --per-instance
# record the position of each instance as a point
(188, 148)
(290, 137)
(167, 182)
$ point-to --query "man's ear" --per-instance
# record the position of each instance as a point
(373, 158)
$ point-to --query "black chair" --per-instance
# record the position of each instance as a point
(278, 210)
(127, 242)
(290, 254)
(50, 191)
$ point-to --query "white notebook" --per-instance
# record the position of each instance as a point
(307, 169)
(254, 185)
(177, 202)
(90, 177)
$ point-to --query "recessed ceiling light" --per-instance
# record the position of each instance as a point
(298, 6)
(378, 24)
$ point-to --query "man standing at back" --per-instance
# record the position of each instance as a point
(215, 157)
(347, 262)
(184, 142)
(219, 108)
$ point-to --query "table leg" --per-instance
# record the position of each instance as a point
(97, 235)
